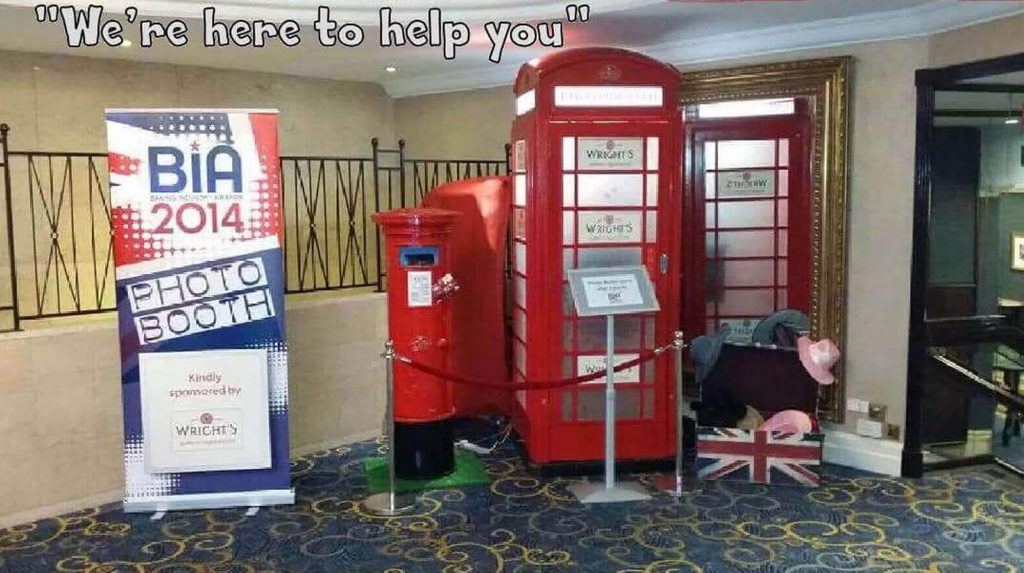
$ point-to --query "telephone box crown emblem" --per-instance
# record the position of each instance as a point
(610, 73)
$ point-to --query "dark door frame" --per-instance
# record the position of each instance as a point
(928, 81)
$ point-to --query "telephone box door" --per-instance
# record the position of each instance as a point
(616, 210)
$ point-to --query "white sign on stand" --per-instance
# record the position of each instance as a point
(608, 292)
(612, 290)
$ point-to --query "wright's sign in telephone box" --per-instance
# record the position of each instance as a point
(596, 174)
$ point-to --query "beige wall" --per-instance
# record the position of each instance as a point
(991, 40)
(57, 102)
(60, 418)
(473, 123)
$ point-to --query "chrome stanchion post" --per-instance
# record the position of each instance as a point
(679, 484)
(609, 405)
(389, 502)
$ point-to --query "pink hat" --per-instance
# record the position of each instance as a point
(818, 358)
(793, 421)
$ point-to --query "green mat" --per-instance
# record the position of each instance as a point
(469, 470)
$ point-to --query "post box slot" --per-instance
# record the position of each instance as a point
(418, 256)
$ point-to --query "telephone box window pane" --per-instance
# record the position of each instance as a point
(783, 242)
(759, 302)
(710, 220)
(567, 405)
(590, 404)
(568, 227)
(520, 190)
(569, 190)
(739, 154)
(783, 299)
(783, 272)
(519, 323)
(519, 222)
(750, 273)
(783, 183)
(526, 102)
(747, 108)
(784, 212)
(746, 244)
(611, 190)
(648, 404)
(520, 259)
(746, 214)
(710, 185)
(567, 262)
(597, 227)
(783, 152)
(653, 144)
(520, 356)
(610, 154)
(519, 157)
(651, 235)
(520, 291)
(590, 335)
(567, 305)
(652, 189)
(568, 154)
(710, 161)
(609, 257)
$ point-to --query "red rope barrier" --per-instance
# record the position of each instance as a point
(529, 385)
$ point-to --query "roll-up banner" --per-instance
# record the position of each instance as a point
(196, 213)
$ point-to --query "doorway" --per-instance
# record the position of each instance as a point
(965, 400)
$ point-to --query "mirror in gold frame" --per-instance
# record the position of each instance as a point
(824, 84)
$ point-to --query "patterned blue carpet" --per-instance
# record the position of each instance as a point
(958, 522)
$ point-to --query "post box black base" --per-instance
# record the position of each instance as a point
(424, 450)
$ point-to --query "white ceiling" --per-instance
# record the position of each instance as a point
(679, 32)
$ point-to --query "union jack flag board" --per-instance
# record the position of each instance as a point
(759, 457)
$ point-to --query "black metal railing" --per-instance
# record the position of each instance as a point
(327, 224)
(59, 251)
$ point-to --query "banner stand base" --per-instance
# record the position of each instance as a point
(598, 492)
(211, 501)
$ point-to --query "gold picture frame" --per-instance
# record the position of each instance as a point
(826, 84)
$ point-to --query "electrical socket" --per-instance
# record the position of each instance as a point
(876, 411)
(857, 405)
(869, 428)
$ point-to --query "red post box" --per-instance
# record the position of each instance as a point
(419, 324)
(596, 183)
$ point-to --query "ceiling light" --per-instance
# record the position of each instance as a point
(390, 69)
(1012, 121)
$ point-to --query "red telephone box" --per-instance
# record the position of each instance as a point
(596, 183)
(419, 325)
